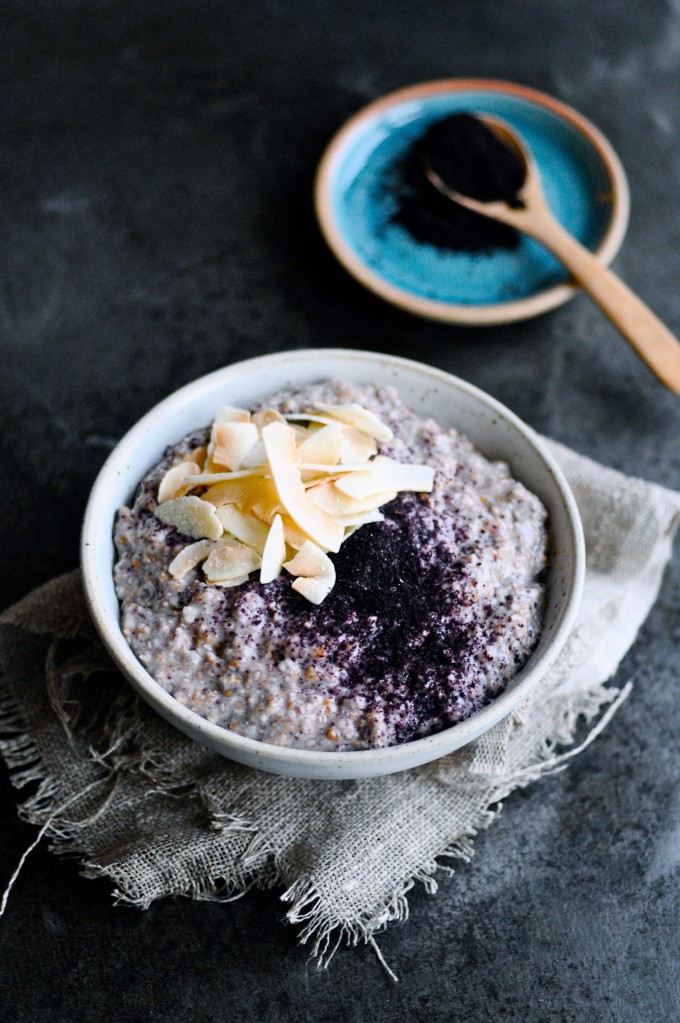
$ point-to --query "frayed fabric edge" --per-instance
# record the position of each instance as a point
(327, 934)
(318, 926)
(26, 766)
(554, 764)
(258, 867)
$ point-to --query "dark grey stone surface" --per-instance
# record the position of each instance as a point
(156, 162)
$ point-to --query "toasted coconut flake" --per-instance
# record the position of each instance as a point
(356, 446)
(335, 503)
(310, 561)
(266, 416)
(322, 446)
(360, 519)
(358, 417)
(279, 441)
(327, 497)
(233, 442)
(192, 517)
(231, 414)
(386, 474)
(230, 560)
(225, 414)
(315, 570)
(254, 494)
(256, 456)
(266, 506)
(206, 479)
(238, 489)
(274, 553)
(189, 557)
(314, 590)
(244, 527)
(224, 583)
(175, 483)
(295, 538)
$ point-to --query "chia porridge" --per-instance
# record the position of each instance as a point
(433, 612)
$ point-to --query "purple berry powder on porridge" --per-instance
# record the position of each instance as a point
(427, 610)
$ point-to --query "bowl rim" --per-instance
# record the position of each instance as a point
(425, 749)
(472, 314)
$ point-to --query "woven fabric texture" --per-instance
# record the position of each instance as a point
(104, 777)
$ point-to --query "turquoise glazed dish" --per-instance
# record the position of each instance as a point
(356, 187)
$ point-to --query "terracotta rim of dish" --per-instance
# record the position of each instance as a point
(449, 312)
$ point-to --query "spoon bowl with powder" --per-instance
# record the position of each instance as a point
(499, 179)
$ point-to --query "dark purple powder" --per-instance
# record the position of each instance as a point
(393, 575)
(470, 159)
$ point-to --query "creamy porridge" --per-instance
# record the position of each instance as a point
(431, 610)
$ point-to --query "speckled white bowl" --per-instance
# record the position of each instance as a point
(495, 430)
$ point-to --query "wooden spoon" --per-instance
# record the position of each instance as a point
(638, 324)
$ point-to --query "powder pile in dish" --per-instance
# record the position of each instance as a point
(438, 597)
(470, 159)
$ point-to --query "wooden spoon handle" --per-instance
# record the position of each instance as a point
(638, 324)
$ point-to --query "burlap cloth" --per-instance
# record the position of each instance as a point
(103, 776)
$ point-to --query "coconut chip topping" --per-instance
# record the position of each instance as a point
(273, 493)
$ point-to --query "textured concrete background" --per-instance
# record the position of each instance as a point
(156, 162)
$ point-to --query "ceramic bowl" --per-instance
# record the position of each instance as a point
(494, 429)
(357, 181)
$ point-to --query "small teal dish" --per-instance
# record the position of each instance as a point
(356, 200)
